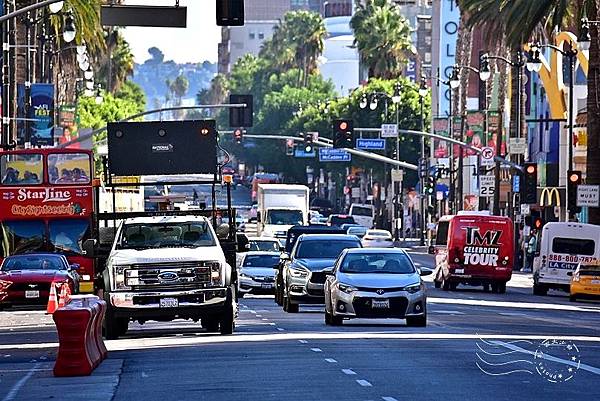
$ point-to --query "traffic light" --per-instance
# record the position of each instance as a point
(308, 142)
(529, 188)
(422, 167)
(343, 134)
(238, 135)
(230, 12)
(289, 147)
(241, 116)
(430, 185)
(573, 181)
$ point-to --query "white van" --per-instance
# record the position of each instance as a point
(561, 248)
(363, 214)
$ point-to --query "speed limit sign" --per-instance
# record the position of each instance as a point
(487, 156)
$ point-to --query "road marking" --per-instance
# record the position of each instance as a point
(364, 383)
(448, 312)
(18, 385)
(271, 324)
(264, 319)
(388, 399)
(512, 314)
(516, 305)
(302, 341)
(144, 375)
(316, 350)
(258, 315)
(330, 360)
(280, 329)
(349, 372)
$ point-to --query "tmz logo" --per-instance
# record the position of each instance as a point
(482, 249)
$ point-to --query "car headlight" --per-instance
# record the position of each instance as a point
(119, 273)
(298, 273)
(413, 289)
(347, 288)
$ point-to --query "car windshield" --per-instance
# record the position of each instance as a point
(22, 236)
(338, 221)
(68, 235)
(261, 261)
(265, 246)
(362, 211)
(162, 235)
(284, 217)
(389, 263)
(33, 262)
(325, 249)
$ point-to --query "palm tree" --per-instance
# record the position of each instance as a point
(116, 63)
(382, 36)
(519, 21)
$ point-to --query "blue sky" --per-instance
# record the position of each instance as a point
(197, 42)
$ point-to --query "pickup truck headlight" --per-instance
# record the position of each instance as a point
(119, 277)
(347, 288)
(413, 288)
(298, 273)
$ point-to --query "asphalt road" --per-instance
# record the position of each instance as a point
(477, 346)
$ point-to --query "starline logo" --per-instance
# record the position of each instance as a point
(44, 195)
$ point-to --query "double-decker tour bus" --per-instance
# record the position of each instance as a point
(46, 205)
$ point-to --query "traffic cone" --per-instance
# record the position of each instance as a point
(52, 301)
(62, 296)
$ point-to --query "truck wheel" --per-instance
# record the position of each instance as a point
(327, 318)
(211, 324)
(445, 284)
(572, 298)
(337, 320)
(539, 289)
(437, 284)
(416, 321)
(486, 288)
(114, 326)
(227, 322)
(501, 288)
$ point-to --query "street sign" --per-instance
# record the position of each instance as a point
(300, 153)
(486, 185)
(517, 146)
(355, 192)
(370, 144)
(525, 209)
(389, 130)
(334, 155)
(487, 156)
(588, 195)
(516, 183)
(397, 175)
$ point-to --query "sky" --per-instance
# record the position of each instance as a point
(196, 43)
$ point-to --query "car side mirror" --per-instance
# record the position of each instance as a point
(423, 271)
(75, 267)
(89, 246)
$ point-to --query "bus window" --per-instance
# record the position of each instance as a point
(22, 169)
(573, 246)
(68, 235)
(441, 237)
(69, 168)
(22, 236)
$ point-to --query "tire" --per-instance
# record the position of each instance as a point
(211, 324)
(289, 307)
(327, 318)
(539, 289)
(416, 321)
(241, 294)
(486, 288)
(437, 284)
(227, 321)
(337, 320)
(445, 285)
(453, 286)
(114, 327)
(501, 288)
(572, 298)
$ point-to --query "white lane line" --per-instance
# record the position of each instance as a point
(448, 312)
(18, 385)
(330, 360)
(302, 341)
(258, 315)
(512, 314)
(264, 319)
(514, 305)
(388, 399)
(252, 311)
(271, 324)
(316, 350)
(280, 329)
(364, 383)
(348, 372)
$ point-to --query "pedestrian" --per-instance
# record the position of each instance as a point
(195, 197)
(531, 249)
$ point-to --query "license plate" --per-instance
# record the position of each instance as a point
(267, 286)
(459, 271)
(380, 303)
(32, 294)
(595, 281)
(169, 302)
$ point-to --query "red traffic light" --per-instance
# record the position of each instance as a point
(575, 177)
(531, 169)
(343, 125)
(537, 223)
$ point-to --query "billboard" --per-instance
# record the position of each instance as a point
(41, 111)
(441, 127)
(449, 21)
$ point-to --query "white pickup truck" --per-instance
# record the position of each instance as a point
(164, 268)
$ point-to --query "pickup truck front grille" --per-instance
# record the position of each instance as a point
(168, 276)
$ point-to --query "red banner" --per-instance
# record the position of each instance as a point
(45, 202)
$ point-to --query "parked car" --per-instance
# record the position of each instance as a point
(305, 269)
(378, 239)
(376, 283)
(26, 279)
(585, 281)
(257, 273)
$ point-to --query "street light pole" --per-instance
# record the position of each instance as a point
(423, 220)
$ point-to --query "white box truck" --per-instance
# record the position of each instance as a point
(281, 206)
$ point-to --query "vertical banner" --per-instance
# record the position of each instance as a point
(67, 120)
(42, 111)
(449, 21)
(474, 131)
(494, 129)
(441, 127)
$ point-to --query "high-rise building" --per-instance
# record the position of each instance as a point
(419, 13)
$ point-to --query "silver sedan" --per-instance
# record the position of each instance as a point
(376, 283)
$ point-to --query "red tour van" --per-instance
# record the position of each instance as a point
(474, 248)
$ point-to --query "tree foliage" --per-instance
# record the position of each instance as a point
(382, 36)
